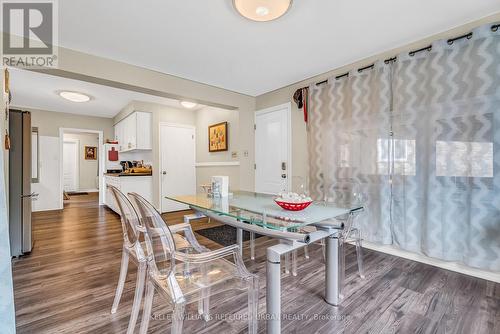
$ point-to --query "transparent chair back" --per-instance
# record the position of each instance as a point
(344, 193)
(183, 278)
(131, 224)
(132, 250)
(160, 244)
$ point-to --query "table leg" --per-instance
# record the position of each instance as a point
(334, 270)
(196, 215)
(239, 239)
(273, 294)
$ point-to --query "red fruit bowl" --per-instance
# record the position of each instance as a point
(293, 206)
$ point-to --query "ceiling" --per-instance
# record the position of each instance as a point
(207, 41)
(38, 91)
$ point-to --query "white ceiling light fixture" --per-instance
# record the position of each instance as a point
(188, 104)
(74, 96)
(262, 10)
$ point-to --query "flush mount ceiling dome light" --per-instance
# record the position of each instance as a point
(188, 104)
(262, 10)
(74, 96)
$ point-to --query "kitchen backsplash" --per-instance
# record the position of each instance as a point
(147, 156)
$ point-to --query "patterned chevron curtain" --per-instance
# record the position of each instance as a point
(433, 186)
(349, 122)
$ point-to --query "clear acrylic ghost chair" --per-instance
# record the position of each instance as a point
(209, 273)
(134, 249)
(341, 194)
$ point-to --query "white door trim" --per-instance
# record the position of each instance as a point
(177, 125)
(288, 107)
(77, 165)
(100, 160)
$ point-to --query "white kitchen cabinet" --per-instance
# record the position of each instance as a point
(144, 134)
(119, 135)
(143, 185)
(134, 132)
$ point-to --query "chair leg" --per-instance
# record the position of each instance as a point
(187, 268)
(178, 318)
(148, 303)
(121, 281)
(287, 263)
(139, 290)
(294, 263)
(306, 252)
(253, 306)
(204, 301)
(204, 304)
(359, 254)
(252, 246)
(323, 248)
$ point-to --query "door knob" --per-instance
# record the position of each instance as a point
(164, 173)
(33, 195)
(283, 176)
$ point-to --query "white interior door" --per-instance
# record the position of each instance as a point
(273, 149)
(178, 156)
(70, 165)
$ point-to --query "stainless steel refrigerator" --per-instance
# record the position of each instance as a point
(20, 195)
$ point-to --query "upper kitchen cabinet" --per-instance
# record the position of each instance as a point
(134, 132)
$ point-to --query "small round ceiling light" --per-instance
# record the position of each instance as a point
(262, 10)
(74, 96)
(188, 104)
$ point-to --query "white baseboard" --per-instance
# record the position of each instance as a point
(88, 190)
(46, 209)
(453, 266)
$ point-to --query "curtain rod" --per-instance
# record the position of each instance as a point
(412, 53)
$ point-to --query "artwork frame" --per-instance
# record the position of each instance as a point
(90, 152)
(218, 140)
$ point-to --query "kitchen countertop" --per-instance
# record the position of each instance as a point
(127, 174)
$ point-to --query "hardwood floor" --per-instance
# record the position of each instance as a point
(67, 285)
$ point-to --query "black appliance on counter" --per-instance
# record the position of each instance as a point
(126, 165)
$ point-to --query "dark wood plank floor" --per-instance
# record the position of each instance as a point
(67, 285)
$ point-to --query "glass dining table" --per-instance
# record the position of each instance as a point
(258, 213)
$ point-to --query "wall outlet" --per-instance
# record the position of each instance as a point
(245, 153)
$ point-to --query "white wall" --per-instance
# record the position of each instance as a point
(88, 178)
(204, 118)
(161, 113)
(201, 119)
(48, 124)
(49, 185)
(208, 116)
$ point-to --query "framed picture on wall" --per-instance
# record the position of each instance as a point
(217, 137)
(90, 153)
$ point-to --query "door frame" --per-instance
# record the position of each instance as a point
(176, 125)
(77, 142)
(100, 161)
(288, 107)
